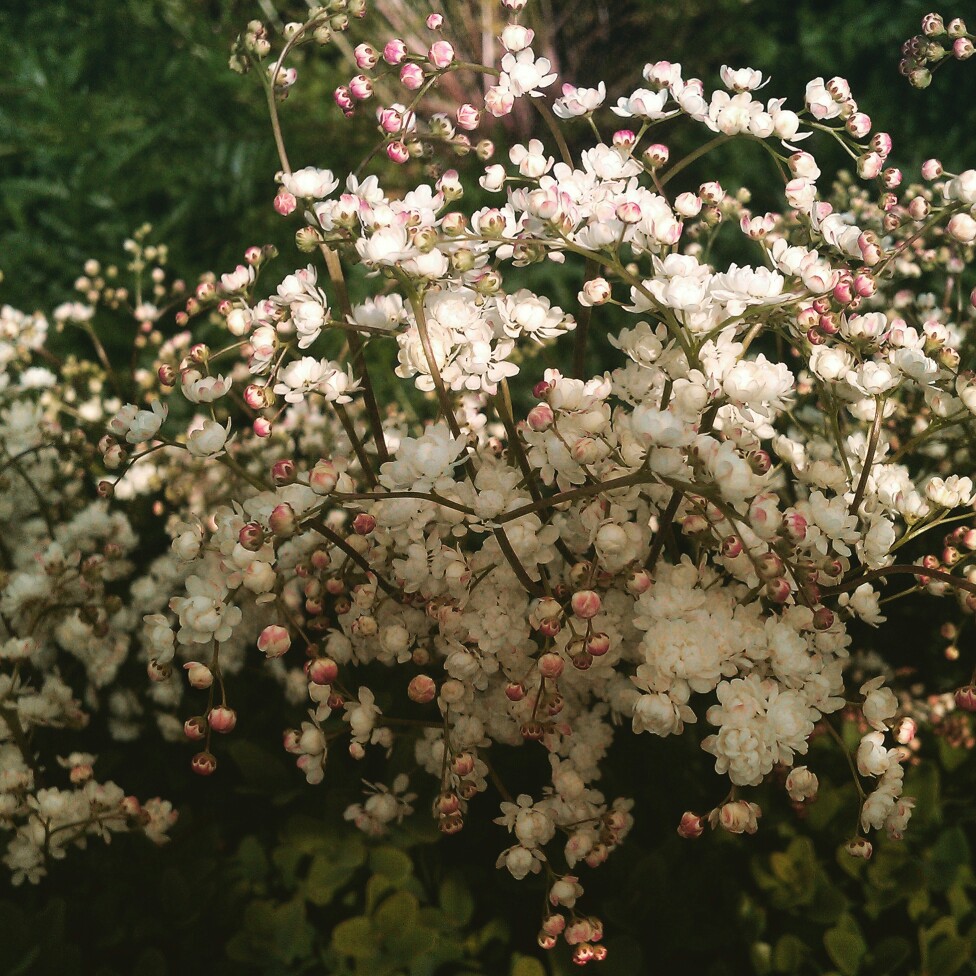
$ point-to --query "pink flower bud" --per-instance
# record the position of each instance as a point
(283, 521)
(366, 57)
(285, 203)
(255, 396)
(468, 117)
(657, 155)
(251, 536)
(199, 675)
(586, 604)
(514, 691)
(881, 144)
(195, 728)
(624, 139)
(343, 98)
(434, 22)
(891, 178)
(363, 523)
(778, 590)
(157, 671)
(204, 763)
(321, 670)
(966, 698)
(739, 817)
(963, 49)
(640, 582)
(859, 847)
(598, 644)
(551, 665)
(869, 166)
(823, 618)
(411, 76)
(692, 825)
(962, 227)
(540, 417)
(859, 125)
(397, 152)
(166, 375)
(284, 472)
(361, 88)
(440, 55)
(262, 427)
(931, 169)
(422, 689)
(323, 478)
(222, 719)
(394, 51)
(274, 640)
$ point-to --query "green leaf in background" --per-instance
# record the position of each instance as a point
(845, 945)
(456, 900)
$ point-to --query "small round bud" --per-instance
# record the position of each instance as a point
(204, 763)
(222, 719)
(422, 689)
(195, 728)
(586, 604)
(859, 847)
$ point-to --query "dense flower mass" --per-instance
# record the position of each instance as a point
(531, 555)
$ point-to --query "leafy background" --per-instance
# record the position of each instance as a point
(116, 112)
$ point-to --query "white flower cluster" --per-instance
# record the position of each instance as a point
(694, 534)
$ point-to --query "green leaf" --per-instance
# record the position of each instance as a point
(788, 954)
(456, 900)
(949, 955)
(396, 913)
(354, 937)
(391, 863)
(262, 770)
(527, 966)
(845, 945)
(890, 953)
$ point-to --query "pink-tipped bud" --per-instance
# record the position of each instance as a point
(283, 522)
(422, 689)
(441, 54)
(540, 417)
(628, 212)
(323, 478)
(931, 169)
(731, 546)
(222, 719)
(155, 670)
(551, 665)
(284, 472)
(411, 76)
(624, 139)
(859, 125)
(251, 537)
(321, 670)
(823, 618)
(468, 117)
(363, 523)
(394, 51)
(597, 291)
(769, 566)
(199, 675)
(692, 825)
(262, 427)
(515, 691)
(285, 203)
(366, 57)
(204, 763)
(166, 375)
(795, 526)
(966, 698)
(397, 152)
(778, 590)
(586, 604)
(361, 88)
(195, 728)
(598, 644)
(657, 155)
(859, 847)
(274, 640)
(255, 396)
(640, 582)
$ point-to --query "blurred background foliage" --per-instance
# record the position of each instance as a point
(117, 112)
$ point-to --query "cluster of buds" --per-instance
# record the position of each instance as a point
(938, 41)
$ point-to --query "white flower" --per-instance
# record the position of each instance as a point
(579, 101)
(310, 182)
(207, 440)
(137, 425)
(523, 73)
(741, 79)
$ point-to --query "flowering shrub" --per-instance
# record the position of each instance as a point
(513, 551)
